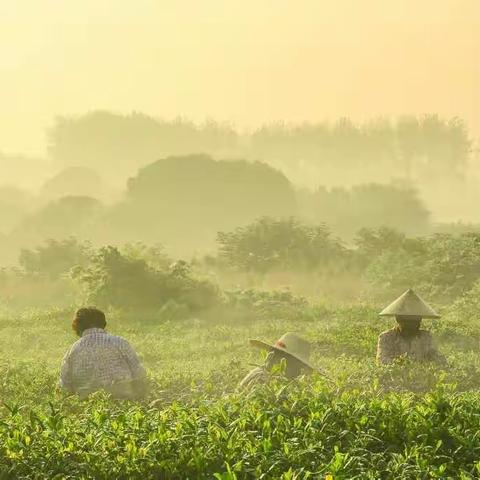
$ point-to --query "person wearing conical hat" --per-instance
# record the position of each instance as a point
(407, 338)
(291, 348)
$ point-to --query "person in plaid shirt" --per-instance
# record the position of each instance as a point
(407, 339)
(100, 361)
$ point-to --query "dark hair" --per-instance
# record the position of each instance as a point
(88, 317)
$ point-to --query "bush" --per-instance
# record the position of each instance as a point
(15, 205)
(303, 431)
(55, 257)
(268, 305)
(154, 256)
(74, 181)
(453, 264)
(370, 243)
(19, 289)
(394, 271)
(443, 266)
(370, 206)
(186, 200)
(466, 309)
(65, 217)
(269, 244)
(113, 279)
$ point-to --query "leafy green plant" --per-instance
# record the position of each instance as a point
(269, 244)
(55, 257)
(114, 279)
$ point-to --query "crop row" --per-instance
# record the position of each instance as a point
(280, 431)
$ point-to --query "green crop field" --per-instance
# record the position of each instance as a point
(190, 322)
(259, 198)
(399, 422)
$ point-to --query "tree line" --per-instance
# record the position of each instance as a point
(184, 201)
(444, 267)
(425, 149)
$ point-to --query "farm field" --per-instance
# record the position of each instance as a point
(272, 210)
(365, 422)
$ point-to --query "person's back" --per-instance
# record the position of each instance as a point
(99, 360)
(392, 344)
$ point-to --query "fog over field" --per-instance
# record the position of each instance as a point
(209, 172)
(106, 176)
(334, 95)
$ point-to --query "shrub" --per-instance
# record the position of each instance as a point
(466, 309)
(55, 257)
(371, 206)
(268, 305)
(153, 255)
(453, 264)
(370, 243)
(113, 279)
(62, 218)
(19, 289)
(269, 244)
(443, 266)
(74, 181)
(185, 200)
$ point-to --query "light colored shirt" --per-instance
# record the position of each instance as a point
(255, 377)
(392, 344)
(99, 360)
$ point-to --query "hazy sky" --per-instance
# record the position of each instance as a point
(242, 61)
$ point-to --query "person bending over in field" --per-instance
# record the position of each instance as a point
(295, 351)
(100, 361)
(406, 339)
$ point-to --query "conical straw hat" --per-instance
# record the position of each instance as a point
(292, 345)
(409, 304)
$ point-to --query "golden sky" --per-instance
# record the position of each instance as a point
(241, 61)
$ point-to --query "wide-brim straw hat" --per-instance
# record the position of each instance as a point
(409, 304)
(290, 344)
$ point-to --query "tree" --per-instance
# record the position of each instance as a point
(153, 255)
(15, 205)
(370, 206)
(113, 279)
(445, 148)
(341, 153)
(74, 181)
(442, 266)
(21, 171)
(453, 264)
(65, 217)
(409, 144)
(55, 257)
(184, 201)
(269, 244)
(120, 144)
(370, 243)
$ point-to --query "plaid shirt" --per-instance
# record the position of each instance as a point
(100, 360)
(257, 376)
(392, 345)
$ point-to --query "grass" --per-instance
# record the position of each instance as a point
(400, 422)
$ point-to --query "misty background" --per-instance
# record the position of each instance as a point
(168, 122)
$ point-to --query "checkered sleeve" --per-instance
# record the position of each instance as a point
(132, 359)
(255, 377)
(385, 349)
(66, 380)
